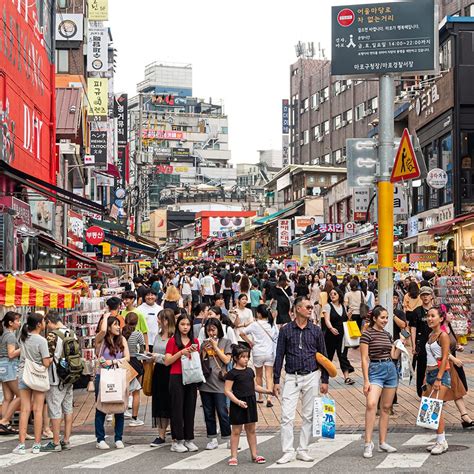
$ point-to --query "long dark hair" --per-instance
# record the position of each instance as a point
(228, 280)
(177, 334)
(32, 322)
(131, 321)
(374, 314)
(340, 295)
(263, 310)
(244, 284)
(413, 290)
(217, 324)
(113, 343)
(9, 317)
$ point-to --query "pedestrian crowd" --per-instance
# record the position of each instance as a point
(255, 332)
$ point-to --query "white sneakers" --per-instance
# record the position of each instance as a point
(127, 415)
(286, 458)
(438, 447)
(368, 450)
(386, 448)
(119, 444)
(191, 446)
(304, 456)
(136, 422)
(102, 445)
(20, 449)
(178, 447)
(213, 444)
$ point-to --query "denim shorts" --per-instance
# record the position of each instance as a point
(8, 369)
(384, 374)
(445, 379)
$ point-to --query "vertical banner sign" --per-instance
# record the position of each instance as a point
(121, 114)
(97, 49)
(98, 144)
(97, 91)
(98, 10)
(284, 232)
(285, 149)
(285, 116)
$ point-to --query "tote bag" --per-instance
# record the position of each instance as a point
(348, 340)
(192, 370)
(35, 376)
(113, 383)
(429, 412)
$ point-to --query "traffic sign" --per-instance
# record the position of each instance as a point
(406, 165)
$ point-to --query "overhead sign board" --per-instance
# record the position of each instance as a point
(379, 38)
(406, 165)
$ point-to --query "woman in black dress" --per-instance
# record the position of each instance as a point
(282, 295)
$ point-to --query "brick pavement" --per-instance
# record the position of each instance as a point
(350, 404)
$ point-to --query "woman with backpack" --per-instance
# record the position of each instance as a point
(33, 349)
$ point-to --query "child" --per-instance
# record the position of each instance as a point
(240, 388)
(255, 297)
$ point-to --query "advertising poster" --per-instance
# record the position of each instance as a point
(307, 224)
(222, 227)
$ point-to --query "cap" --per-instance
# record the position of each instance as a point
(426, 290)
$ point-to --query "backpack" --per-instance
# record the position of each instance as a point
(70, 365)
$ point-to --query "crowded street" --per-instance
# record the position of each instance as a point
(236, 242)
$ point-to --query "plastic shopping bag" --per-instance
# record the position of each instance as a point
(113, 384)
(350, 341)
(429, 412)
(324, 417)
(192, 370)
(353, 329)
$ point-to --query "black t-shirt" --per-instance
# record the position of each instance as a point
(244, 385)
(400, 315)
(422, 328)
(269, 287)
(302, 290)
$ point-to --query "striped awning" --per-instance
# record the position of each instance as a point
(23, 290)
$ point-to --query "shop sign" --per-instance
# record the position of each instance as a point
(222, 227)
(283, 182)
(98, 147)
(179, 151)
(331, 228)
(161, 151)
(400, 205)
(42, 213)
(75, 231)
(95, 235)
(423, 257)
(181, 169)
(164, 169)
(437, 178)
(412, 226)
(113, 282)
(70, 27)
(98, 95)
(284, 232)
(285, 116)
(360, 198)
(350, 228)
(162, 134)
(198, 227)
(424, 103)
(98, 10)
(285, 149)
(106, 248)
(97, 49)
(22, 209)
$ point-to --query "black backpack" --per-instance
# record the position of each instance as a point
(70, 365)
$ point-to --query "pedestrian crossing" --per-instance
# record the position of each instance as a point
(345, 449)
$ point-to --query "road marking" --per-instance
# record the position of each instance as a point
(7, 460)
(5, 438)
(404, 461)
(421, 440)
(320, 450)
(207, 458)
(114, 456)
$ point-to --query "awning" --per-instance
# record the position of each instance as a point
(188, 245)
(20, 290)
(205, 244)
(58, 280)
(271, 217)
(307, 236)
(426, 240)
(108, 225)
(68, 110)
(75, 255)
(133, 246)
(446, 227)
(52, 191)
(353, 251)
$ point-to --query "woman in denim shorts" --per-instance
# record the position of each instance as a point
(437, 379)
(9, 354)
(380, 377)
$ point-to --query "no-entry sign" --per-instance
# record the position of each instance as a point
(346, 17)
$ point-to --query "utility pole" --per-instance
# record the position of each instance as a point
(385, 195)
(139, 161)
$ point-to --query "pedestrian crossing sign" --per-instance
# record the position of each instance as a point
(405, 166)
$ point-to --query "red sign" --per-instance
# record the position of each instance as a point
(346, 17)
(164, 169)
(95, 235)
(162, 134)
(27, 108)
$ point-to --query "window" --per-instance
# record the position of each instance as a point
(325, 94)
(294, 72)
(225, 130)
(360, 112)
(357, 82)
(63, 3)
(445, 55)
(325, 127)
(334, 179)
(327, 159)
(469, 10)
(373, 104)
(306, 137)
(315, 101)
(419, 194)
(431, 156)
(347, 116)
(305, 105)
(446, 143)
(62, 61)
(316, 132)
(337, 156)
(294, 99)
(337, 87)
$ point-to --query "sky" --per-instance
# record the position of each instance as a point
(241, 52)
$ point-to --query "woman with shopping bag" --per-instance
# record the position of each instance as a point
(179, 355)
(437, 379)
(112, 350)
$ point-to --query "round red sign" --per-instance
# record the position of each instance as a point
(95, 235)
(346, 17)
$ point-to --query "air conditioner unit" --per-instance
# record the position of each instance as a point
(316, 107)
(321, 100)
(320, 139)
(368, 112)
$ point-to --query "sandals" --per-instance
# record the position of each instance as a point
(269, 404)
(259, 401)
(259, 460)
(349, 381)
(233, 462)
(5, 429)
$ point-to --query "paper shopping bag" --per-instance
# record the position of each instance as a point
(429, 412)
(348, 340)
(324, 417)
(148, 378)
(113, 383)
(353, 329)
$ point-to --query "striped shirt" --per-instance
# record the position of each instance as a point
(379, 342)
(136, 343)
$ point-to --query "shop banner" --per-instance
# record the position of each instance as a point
(121, 113)
(284, 232)
(222, 227)
(307, 224)
(98, 10)
(97, 49)
(331, 228)
(360, 198)
(98, 144)
(98, 95)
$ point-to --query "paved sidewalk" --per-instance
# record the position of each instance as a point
(350, 404)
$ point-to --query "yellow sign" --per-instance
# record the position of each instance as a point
(106, 248)
(405, 166)
(98, 10)
(98, 94)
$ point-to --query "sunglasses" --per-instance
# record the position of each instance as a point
(309, 307)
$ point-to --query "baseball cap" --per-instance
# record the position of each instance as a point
(426, 290)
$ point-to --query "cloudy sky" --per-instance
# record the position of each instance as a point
(241, 52)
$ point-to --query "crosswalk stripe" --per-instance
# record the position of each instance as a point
(420, 440)
(404, 461)
(320, 450)
(115, 456)
(5, 438)
(206, 459)
(7, 460)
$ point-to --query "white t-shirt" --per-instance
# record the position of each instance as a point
(195, 284)
(207, 284)
(151, 315)
(245, 316)
(264, 337)
(185, 286)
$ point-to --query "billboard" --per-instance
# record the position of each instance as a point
(27, 124)
(307, 224)
(222, 227)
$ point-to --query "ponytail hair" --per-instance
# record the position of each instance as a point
(375, 313)
(263, 310)
(131, 321)
(32, 322)
(9, 317)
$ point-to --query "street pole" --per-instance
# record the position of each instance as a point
(138, 161)
(385, 196)
(65, 207)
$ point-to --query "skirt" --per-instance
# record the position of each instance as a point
(242, 416)
(161, 400)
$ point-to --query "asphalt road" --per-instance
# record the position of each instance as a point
(340, 455)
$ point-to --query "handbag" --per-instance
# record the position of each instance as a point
(147, 382)
(222, 369)
(350, 341)
(113, 383)
(364, 308)
(324, 417)
(137, 366)
(192, 369)
(35, 376)
(353, 329)
(206, 366)
(429, 412)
